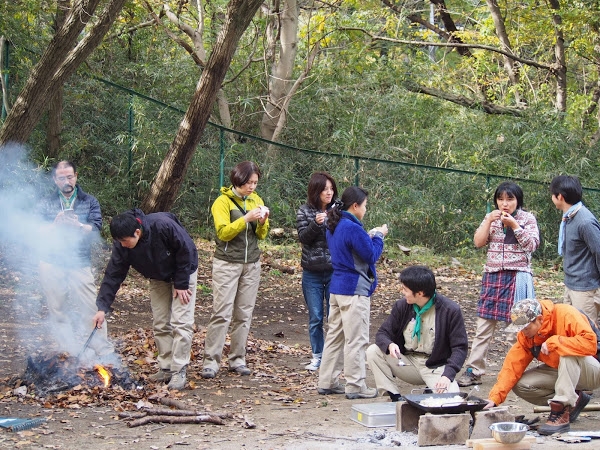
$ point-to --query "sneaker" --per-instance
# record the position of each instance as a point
(178, 380)
(558, 421)
(367, 392)
(241, 370)
(162, 376)
(315, 363)
(207, 372)
(583, 400)
(469, 378)
(339, 389)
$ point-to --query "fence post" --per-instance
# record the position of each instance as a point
(356, 169)
(488, 207)
(221, 157)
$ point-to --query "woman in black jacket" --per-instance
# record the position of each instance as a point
(316, 261)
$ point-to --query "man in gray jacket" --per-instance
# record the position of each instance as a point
(579, 245)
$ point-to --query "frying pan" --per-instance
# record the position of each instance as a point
(452, 407)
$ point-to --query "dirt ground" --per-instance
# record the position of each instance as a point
(276, 407)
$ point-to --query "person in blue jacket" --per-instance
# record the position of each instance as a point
(158, 247)
(354, 253)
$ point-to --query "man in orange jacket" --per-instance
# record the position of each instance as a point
(562, 339)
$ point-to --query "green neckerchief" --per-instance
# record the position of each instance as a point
(514, 214)
(420, 311)
(68, 202)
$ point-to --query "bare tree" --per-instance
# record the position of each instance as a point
(62, 57)
(165, 186)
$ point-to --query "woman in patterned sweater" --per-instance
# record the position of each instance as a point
(512, 235)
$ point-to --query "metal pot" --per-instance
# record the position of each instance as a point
(452, 407)
(508, 432)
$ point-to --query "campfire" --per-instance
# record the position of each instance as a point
(48, 374)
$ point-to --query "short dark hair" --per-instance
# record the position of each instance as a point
(568, 186)
(316, 185)
(61, 164)
(511, 189)
(124, 225)
(419, 279)
(350, 196)
(242, 172)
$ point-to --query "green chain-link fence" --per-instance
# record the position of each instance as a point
(119, 137)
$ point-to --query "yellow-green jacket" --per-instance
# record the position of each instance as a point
(237, 241)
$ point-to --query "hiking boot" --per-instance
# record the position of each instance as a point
(339, 389)
(241, 370)
(162, 376)
(469, 378)
(315, 363)
(558, 421)
(583, 400)
(178, 380)
(367, 392)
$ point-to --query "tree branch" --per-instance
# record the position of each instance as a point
(550, 67)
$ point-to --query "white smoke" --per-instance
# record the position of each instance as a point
(26, 238)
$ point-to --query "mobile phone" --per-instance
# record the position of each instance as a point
(69, 212)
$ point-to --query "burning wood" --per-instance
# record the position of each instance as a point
(48, 374)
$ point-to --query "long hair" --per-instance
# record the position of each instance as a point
(350, 196)
(316, 185)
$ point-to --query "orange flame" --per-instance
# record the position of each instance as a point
(104, 375)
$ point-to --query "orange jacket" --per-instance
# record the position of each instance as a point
(565, 330)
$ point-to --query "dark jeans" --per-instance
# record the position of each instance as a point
(315, 287)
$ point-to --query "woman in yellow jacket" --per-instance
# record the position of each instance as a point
(241, 219)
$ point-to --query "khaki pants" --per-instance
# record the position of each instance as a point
(544, 383)
(235, 286)
(484, 333)
(173, 324)
(586, 301)
(346, 342)
(386, 370)
(71, 299)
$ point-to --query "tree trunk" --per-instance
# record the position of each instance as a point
(54, 126)
(280, 79)
(60, 60)
(509, 64)
(167, 182)
(560, 69)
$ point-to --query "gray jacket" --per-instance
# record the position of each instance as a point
(581, 251)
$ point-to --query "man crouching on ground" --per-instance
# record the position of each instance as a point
(562, 338)
(423, 341)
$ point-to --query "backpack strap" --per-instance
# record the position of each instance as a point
(252, 224)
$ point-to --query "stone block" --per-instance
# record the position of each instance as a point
(483, 420)
(443, 429)
(407, 417)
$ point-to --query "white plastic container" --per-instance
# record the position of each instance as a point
(381, 414)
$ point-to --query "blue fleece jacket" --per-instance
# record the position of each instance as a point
(353, 257)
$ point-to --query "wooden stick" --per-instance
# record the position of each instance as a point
(131, 415)
(183, 413)
(176, 420)
(543, 409)
(172, 403)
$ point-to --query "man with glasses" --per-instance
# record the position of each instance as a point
(72, 221)
(565, 342)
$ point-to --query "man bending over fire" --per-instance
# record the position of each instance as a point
(159, 248)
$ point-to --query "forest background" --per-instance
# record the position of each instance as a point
(428, 105)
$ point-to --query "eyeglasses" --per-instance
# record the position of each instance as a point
(69, 177)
